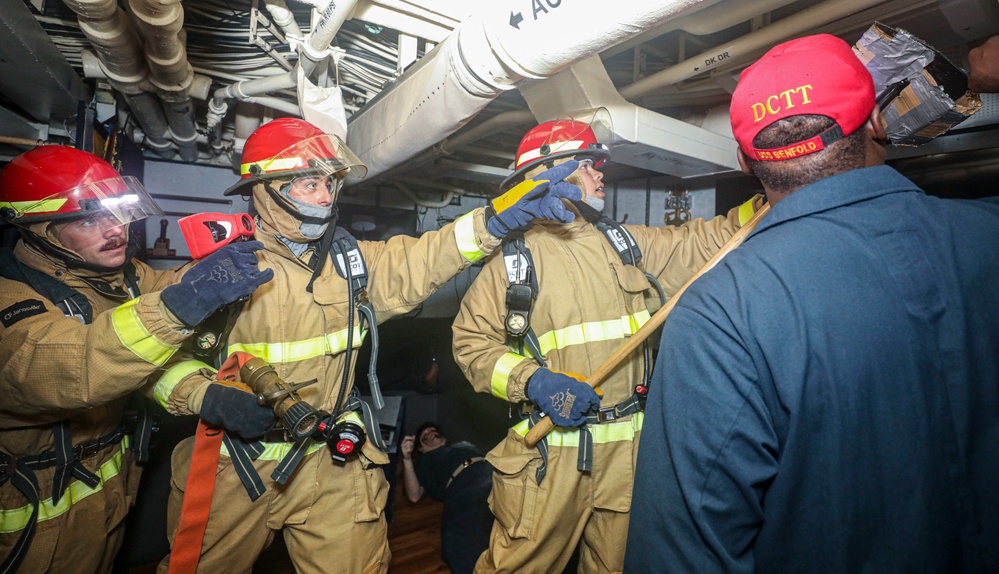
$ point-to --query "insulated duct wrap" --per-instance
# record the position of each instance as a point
(491, 52)
(114, 40)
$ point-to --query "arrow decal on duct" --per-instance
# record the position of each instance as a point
(516, 19)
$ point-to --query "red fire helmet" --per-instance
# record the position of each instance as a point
(52, 183)
(553, 140)
(289, 148)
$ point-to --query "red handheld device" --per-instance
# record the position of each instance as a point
(205, 233)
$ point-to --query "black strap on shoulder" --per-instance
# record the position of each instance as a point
(620, 240)
(68, 300)
(131, 279)
(521, 293)
(349, 264)
(523, 286)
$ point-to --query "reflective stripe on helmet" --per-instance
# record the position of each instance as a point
(134, 335)
(29, 207)
(278, 164)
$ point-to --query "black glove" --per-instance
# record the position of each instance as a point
(561, 397)
(236, 410)
(223, 277)
(543, 201)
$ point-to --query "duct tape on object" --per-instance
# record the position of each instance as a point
(322, 107)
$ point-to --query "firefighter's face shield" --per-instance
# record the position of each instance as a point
(96, 207)
(319, 157)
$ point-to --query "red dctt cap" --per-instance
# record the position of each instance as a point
(817, 75)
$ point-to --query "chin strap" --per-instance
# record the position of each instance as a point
(283, 204)
(587, 211)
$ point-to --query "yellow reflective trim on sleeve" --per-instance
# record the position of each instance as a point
(29, 207)
(464, 235)
(746, 212)
(137, 338)
(171, 378)
(617, 431)
(292, 351)
(594, 331)
(501, 374)
(279, 450)
(16, 519)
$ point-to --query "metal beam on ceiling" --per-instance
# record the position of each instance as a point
(33, 73)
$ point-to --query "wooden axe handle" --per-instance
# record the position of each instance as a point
(545, 425)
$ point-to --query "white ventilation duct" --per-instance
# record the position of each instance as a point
(636, 136)
(645, 139)
(491, 52)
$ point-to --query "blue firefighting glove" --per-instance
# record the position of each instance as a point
(223, 277)
(537, 198)
(565, 399)
(233, 407)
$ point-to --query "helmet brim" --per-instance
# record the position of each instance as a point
(242, 187)
(595, 154)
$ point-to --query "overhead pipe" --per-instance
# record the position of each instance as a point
(445, 201)
(119, 52)
(747, 47)
(12, 140)
(284, 18)
(487, 54)
(313, 50)
(161, 24)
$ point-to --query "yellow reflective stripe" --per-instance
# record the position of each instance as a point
(274, 164)
(501, 374)
(279, 450)
(292, 351)
(17, 519)
(617, 431)
(746, 212)
(29, 207)
(172, 377)
(464, 235)
(593, 331)
(134, 335)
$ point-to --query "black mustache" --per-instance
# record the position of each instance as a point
(114, 243)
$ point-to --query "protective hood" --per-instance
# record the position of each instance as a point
(280, 215)
(40, 251)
